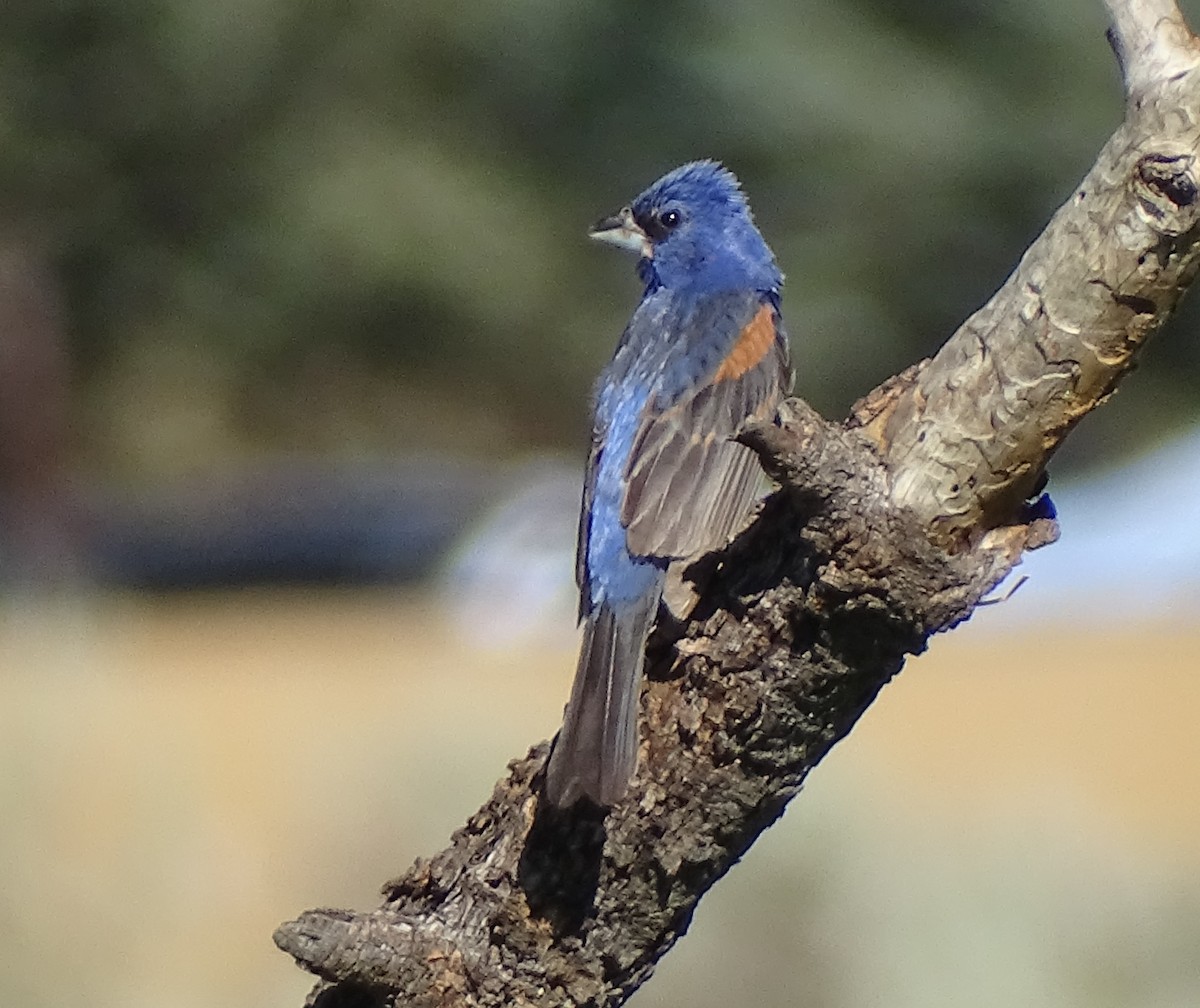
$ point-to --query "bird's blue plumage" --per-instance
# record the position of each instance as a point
(716, 247)
(704, 352)
(616, 576)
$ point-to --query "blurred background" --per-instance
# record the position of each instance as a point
(298, 325)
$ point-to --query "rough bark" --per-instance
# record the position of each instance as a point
(886, 529)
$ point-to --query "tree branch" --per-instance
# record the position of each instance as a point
(968, 435)
(1152, 42)
(885, 530)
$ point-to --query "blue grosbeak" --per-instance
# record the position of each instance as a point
(704, 353)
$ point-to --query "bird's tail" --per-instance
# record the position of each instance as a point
(596, 749)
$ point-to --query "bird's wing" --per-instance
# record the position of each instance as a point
(585, 520)
(688, 485)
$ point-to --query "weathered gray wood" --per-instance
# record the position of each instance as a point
(886, 529)
(969, 436)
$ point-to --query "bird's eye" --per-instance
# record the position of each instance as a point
(670, 218)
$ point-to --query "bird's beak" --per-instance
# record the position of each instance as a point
(623, 231)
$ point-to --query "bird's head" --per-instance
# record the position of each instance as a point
(693, 227)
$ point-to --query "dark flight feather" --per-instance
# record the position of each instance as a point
(689, 485)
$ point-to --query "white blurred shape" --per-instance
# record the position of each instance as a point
(510, 581)
(1130, 546)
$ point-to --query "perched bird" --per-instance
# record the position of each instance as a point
(704, 353)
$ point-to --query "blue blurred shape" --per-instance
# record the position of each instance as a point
(294, 521)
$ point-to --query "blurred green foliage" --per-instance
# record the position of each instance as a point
(357, 225)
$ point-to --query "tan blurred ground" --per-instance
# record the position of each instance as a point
(181, 775)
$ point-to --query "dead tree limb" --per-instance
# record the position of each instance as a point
(886, 529)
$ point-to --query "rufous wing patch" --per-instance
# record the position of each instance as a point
(751, 347)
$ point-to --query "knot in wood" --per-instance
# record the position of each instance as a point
(1166, 189)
